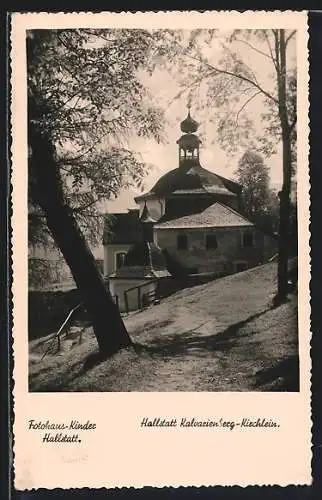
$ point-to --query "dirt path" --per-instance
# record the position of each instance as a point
(214, 337)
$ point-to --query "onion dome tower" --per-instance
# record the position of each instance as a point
(189, 188)
(188, 143)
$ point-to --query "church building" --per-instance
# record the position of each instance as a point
(189, 223)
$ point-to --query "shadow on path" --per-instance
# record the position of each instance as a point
(66, 376)
(283, 376)
(177, 344)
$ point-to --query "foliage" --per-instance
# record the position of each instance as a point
(233, 77)
(260, 202)
(232, 82)
(86, 93)
(253, 175)
(43, 272)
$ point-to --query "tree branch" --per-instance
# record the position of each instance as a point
(270, 49)
(248, 80)
(245, 104)
(194, 83)
(70, 161)
(89, 32)
(227, 72)
(236, 75)
(252, 47)
(277, 60)
(81, 208)
(290, 36)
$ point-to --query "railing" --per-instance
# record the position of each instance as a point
(64, 328)
(143, 299)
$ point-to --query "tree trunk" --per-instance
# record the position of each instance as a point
(46, 190)
(283, 242)
(106, 320)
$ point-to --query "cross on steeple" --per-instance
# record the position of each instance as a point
(189, 102)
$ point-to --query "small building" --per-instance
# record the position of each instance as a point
(135, 284)
(217, 240)
(121, 231)
(191, 219)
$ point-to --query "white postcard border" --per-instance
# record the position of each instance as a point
(119, 452)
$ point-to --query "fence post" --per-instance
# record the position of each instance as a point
(126, 302)
(139, 298)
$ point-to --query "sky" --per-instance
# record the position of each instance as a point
(164, 157)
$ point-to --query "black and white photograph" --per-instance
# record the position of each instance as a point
(160, 249)
(162, 210)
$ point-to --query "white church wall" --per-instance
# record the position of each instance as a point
(119, 286)
(110, 252)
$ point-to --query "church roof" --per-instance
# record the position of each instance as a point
(144, 272)
(146, 215)
(187, 140)
(189, 125)
(143, 259)
(191, 178)
(217, 215)
(145, 253)
(123, 228)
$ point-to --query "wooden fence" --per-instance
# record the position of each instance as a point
(144, 299)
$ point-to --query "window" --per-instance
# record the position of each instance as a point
(211, 242)
(182, 242)
(248, 239)
(119, 259)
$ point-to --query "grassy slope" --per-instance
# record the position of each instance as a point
(214, 337)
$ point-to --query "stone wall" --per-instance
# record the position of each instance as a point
(224, 259)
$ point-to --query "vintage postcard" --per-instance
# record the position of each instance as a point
(161, 259)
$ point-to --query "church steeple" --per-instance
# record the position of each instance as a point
(188, 143)
(148, 222)
(189, 125)
(146, 216)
